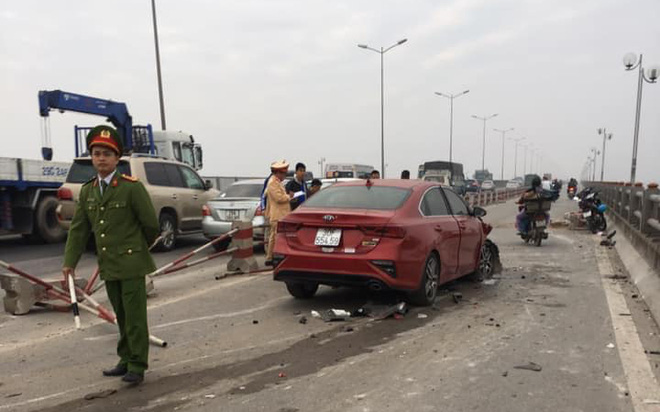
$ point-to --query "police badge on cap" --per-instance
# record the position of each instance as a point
(105, 136)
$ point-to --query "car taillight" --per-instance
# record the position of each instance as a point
(206, 211)
(287, 227)
(384, 231)
(64, 194)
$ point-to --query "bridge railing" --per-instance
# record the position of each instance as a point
(637, 210)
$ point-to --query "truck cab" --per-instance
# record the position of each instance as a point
(178, 146)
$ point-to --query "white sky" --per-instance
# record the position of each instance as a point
(260, 80)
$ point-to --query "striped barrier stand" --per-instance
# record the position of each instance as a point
(242, 259)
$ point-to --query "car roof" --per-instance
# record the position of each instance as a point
(249, 182)
(400, 183)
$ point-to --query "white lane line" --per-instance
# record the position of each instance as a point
(642, 384)
(202, 318)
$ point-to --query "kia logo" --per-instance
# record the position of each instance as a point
(329, 218)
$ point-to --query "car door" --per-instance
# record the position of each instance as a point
(193, 198)
(471, 233)
(164, 186)
(443, 231)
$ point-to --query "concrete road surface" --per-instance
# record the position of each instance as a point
(559, 330)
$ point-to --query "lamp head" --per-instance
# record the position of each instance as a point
(629, 60)
(652, 73)
(401, 41)
(362, 46)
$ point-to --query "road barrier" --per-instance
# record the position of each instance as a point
(636, 210)
(488, 197)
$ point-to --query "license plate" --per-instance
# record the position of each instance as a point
(540, 223)
(232, 215)
(587, 214)
(327, 237)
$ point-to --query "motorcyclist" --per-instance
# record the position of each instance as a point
(522, 220)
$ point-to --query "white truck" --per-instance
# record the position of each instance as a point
(28, 198)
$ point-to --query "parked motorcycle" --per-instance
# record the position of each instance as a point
(593, 210)
(537, 215)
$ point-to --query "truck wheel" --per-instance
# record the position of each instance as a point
(167, 224)
(46, 225)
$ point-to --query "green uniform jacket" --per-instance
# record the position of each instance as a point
(124, 224)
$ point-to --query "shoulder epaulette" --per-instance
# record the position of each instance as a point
(91, 180)
(129, 178)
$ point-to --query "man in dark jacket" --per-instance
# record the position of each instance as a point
(297, 187)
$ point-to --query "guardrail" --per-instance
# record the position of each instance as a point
(637, 210)
(487, 197)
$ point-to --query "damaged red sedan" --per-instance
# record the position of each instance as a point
(404, 235)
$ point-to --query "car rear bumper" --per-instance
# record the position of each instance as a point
(214, 228)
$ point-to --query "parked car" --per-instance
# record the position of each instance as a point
(176, 190)
(488, 185)
(405, 235)
(513, 184)
(471, 186)
(240, 202)
(326, 183)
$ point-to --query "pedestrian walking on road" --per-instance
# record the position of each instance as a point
(117, 210)
(405, 174)
(277, 204)
(296, 187)
(375, 174)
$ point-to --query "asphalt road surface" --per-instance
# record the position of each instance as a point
(565, 309)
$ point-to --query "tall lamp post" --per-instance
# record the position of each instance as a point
(606, 137)
(160, 80)
(515, 159)
(631, 63)
(321, 161)
(595, 153)
(382, 52)
(451, 98)
(483, 146)
(504, 132)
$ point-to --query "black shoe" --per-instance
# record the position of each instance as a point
(133, 378)
(268, 263)
(119, 370)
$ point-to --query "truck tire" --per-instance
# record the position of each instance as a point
(46, 226)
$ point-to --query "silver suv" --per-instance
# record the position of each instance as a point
(177, 192)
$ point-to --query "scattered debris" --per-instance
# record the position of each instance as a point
(360, 396)
(625, 314)
(399, 309)
(13, 395)
(505, 373)
(209, 396)
(315, 314)
(100, 394)
(651, 402)
(634, 296)
(254, 322)
(347, 329)
(332, 315)
(281, 375)
(489, 282)
(422, 316)
(652, 352)
(242, 388)
(361, 312)
(610, 346)
(523, 277)
(457, 296)
(531, 366)
(302, 320)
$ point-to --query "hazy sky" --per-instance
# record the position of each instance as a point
(260, 80)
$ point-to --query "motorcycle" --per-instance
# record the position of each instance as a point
(593, 210)
(570, 192)
(536, 211)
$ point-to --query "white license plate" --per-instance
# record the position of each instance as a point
(540, 223)
(327, 237)
(587, 214)
(232, 215)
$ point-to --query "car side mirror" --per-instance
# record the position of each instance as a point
(478, 211)
(208, 184)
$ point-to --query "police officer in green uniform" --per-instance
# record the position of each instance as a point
(117, 209)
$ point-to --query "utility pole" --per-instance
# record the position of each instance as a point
(160, 80)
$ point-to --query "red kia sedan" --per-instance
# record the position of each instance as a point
(405, 235)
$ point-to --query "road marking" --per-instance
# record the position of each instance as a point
(642, 384)
(201, 318)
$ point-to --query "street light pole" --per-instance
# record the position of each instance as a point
(483, 146)
(630, 62)
(515, 159)
(606, 137)
(160, 80)
(451, 98)
(504, 132)
(320, 162)
(382, 51)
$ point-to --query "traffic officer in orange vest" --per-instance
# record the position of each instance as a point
(277, 203)
(117, 210)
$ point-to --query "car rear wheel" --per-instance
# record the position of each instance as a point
(428, 287)
(167, 225)
(222, 245)
(302, 290)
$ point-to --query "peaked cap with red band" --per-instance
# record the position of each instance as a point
(105, 136)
